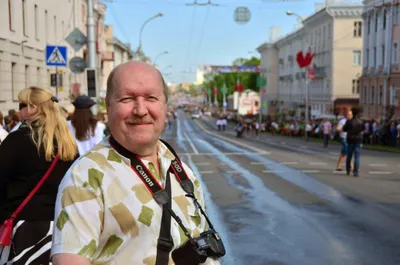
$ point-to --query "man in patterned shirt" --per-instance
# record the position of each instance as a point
(104, 212)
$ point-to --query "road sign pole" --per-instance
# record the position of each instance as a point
(91, 36)
(56, 81)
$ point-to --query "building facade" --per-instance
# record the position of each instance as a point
(380, 82)
(269, 71)
(334, 35)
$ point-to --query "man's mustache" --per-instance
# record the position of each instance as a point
(139, 121)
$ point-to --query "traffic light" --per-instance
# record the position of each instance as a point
(53, 79)
(91, 82)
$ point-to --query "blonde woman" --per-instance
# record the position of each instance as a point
(25, 156)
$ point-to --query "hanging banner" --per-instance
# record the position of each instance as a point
(232, 68)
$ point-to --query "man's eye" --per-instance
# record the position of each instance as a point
(126, 100)
(151, 98)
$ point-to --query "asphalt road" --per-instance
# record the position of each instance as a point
(276, 201)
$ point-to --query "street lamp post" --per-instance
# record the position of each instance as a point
(300, 19)
(139, 50)
(160, 54)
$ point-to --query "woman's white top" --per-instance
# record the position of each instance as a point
(86, 145)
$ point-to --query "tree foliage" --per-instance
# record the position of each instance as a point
(217, 80)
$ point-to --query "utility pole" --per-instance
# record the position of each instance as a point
(91, 36)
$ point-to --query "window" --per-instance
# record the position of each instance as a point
(384, 19)
(383, 54)
(55, 28)
(395, 52)
(356, 57)
(372, 96)
(36, 23)
(380, 96)
(357, 28)
(369, 25)
(367, 58)
(356, 86)
(396, 15)
(38, 77)
(46, 26)
(364, 95)
(374, 57)
(10, 15)
(13, 80)
(24, 20)
(392, 94)
(26, 76)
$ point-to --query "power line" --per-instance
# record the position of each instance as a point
(190, 37)
(118, 23)
(201, 34)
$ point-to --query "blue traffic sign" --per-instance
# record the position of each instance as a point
(56, 55)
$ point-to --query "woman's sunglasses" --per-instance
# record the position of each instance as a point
(22, 105)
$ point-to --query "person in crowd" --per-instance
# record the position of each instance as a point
(25, 156)
(348, 115)
(327, 131)
(354, 128)
(3, 132)
(105, 211)
(85, 128)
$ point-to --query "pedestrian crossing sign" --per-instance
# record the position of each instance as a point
(56, 55)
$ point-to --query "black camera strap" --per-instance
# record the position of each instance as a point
(163, 197)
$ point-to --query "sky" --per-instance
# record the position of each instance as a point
(200, 35)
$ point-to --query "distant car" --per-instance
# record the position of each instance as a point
(196, 115)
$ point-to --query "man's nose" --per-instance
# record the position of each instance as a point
(140, 109)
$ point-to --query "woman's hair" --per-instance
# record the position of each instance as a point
(84, 123)
(51, 128)
(1, 119)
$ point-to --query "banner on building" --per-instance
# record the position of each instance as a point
(232, 68)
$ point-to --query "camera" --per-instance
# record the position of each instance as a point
(197, 250)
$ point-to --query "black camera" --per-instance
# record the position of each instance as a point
(197, 250)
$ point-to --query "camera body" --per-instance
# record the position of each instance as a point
(208, 244)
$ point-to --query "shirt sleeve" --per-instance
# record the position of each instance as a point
(79, 211)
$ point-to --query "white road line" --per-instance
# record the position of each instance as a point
(206, 172)
(191, 144)
(377, 165)
(317, 163)
(232, 153)
(233, 171)
(310, 171)
(272, 171)
(303, 146)
(333, 153)
(283, 142)
(257, 163)
(289, 163)
(254, 149)
(339, 172)
(380, 172)
(202, 163)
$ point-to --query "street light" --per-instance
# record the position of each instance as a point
(139, 50)
(160, 54)
(300, 19)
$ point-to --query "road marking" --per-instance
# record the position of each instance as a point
(317, 163)
(206, 172)
(339, 172)
(303, 146)
(377, 165)
(272, 171)
(257, 163)
(202, 163)
(310, 171)
(191, 144)
(380, 172)
(233, 171)
(333, 153)
(214, 154)
(289, 163)
(283, 142)
(255, 149)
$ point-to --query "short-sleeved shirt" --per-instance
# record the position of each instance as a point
(327, 127)
(105, 213)
(86, 145)
(341, 123)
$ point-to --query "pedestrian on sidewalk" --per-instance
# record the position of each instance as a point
(327, 131)
(354, 129)
(25, 156)
(348, 115)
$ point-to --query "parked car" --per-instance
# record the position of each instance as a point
(196, 115)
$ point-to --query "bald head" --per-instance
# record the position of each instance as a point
(133, 67)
